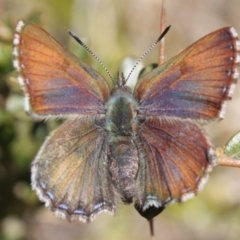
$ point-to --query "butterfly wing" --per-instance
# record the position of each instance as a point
(54, 80)
(70, 172)
(196, 83)
(175, 158)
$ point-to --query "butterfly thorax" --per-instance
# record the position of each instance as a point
(121, 123)
(121, 113)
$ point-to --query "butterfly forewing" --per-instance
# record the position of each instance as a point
(70, 173)
(55, 81)
(196, 83)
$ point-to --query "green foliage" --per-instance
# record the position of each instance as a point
(232, 148)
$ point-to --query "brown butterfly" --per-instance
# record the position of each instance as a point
(144, 147)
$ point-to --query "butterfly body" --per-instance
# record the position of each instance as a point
(121, 125)
(143, 146)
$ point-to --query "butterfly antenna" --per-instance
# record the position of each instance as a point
(93, 54)
(148, 50)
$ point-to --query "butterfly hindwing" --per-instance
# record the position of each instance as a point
(175, 158)
(70, 172)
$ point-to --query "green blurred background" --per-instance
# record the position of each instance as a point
(113, 30)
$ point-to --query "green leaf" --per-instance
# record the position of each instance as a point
(232, 148)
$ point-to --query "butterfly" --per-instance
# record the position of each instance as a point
(144, 146)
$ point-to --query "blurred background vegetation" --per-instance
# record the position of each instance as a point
(113, 30)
